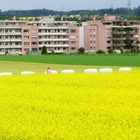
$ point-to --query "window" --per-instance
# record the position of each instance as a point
(108, 41)
(26, 43)
(73, 30)
(26, 50)
(34, 43)
(34, 49)
(73, 37)
(26, 30)
(17, 43)
(73, 42)
(34, 37)
(73, 48)
(26, 37)
(34, 31)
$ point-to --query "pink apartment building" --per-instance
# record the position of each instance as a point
(111, 33)
(98, 35)
(74, 38)
(67, 37)
(25, 36)
(30, 38)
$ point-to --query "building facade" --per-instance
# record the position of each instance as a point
(67, 37)
(25, 36)
(111, 33)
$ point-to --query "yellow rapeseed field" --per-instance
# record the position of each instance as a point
(70, 107)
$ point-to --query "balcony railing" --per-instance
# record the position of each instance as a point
(53, 39)
(53, 33)
(57, 45)
(10, 33)
(11, 40)
(10, 46)
(118, 45)
(119, 33)
(121, 38)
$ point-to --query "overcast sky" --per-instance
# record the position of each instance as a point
(64, 4)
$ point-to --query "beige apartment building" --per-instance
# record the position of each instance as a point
(31, 36)
(111, 33)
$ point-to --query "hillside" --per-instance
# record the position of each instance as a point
(124, 12)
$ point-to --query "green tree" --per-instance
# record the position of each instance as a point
(81, 50)
(44, 50)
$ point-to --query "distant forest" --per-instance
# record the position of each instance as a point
(123, 12)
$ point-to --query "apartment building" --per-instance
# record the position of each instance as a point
(11, 35)
(67, 37)
(111, 33)
(126, 35)
(31, 36)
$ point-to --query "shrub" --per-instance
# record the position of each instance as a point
(81, 50)
(44, 50)
(110, 51)
(100, 52)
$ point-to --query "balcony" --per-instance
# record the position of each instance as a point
(54, 45)
(118, 33)
(53, 39)
(10, 46)
(133, 38)
(10, 33)
(121, 38)
(53, 33)
(135, 44)
(11, 27)
(133, 32)
(118, 45)
(55, 27)
(11, 40)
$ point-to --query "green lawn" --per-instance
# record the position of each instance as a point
(93, 60)
(17, 67)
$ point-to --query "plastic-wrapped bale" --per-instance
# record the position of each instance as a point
(68, 71)
(6, 74)
(106, 70)
(90, 71)
(27, 73)
(125, 69)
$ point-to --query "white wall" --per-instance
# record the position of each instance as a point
(82, 34)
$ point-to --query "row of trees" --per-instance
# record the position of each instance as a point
(110, 51)
(124, 12)
(45, 52)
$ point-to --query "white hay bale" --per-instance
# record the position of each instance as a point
(27, 72)
(106, 70)
(6, 74)
(90, 71)
(54, 72)
(67, 71)
(125, 69)
(51, 72)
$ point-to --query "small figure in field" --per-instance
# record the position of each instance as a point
(48, 70)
